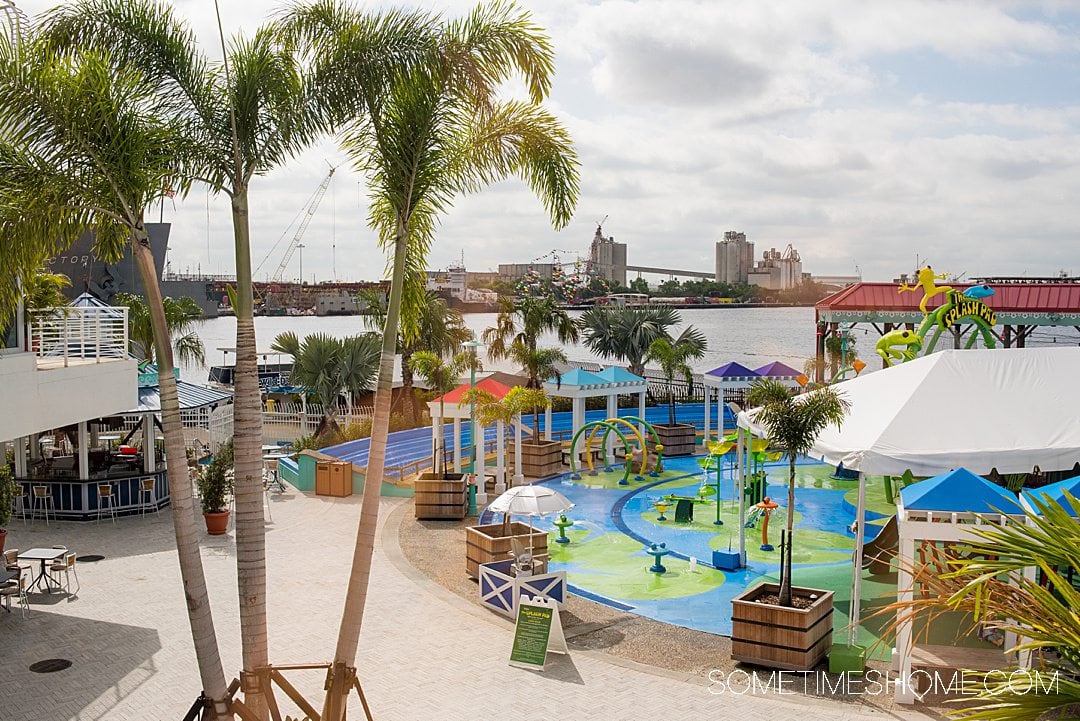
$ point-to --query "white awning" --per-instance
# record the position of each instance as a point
(1009, 409)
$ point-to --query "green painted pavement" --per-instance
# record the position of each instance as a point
(616, 566)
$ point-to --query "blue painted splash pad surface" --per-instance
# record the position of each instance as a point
(612, 514)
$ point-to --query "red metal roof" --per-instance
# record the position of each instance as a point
(1007, 298)
(493, 387)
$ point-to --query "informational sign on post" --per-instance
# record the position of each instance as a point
(538, 630)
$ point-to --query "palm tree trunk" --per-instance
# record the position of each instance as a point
(247, 459)
(407, 394)
(352, 616)
(785, 586)
(203, 635)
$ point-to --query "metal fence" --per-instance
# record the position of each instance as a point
(94, 333)
(287, 421)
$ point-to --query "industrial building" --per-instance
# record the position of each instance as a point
(778, 271)
(734, 259)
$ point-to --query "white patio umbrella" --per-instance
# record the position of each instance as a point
(530, 500)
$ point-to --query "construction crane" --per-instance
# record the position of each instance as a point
(308, 212)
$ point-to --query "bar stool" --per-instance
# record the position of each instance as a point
(22, 502)
(147, 495)
(105, 495)
(42, 496)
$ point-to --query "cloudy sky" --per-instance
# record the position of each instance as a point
(863, 133)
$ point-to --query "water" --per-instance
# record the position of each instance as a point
(751, 336)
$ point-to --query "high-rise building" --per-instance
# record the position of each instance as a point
(734, 258)
(608, 258)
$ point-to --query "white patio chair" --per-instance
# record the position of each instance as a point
(66, 565)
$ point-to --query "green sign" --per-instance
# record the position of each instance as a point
(531, 635)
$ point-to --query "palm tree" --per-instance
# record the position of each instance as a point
(427, 134)
(43, 290)
(490, 409)
(793, 423)
(438, 328)
(674, 357)
(985, 580)
(87, 146)
(625, 334)
(441, 376)
(249, 114)
(181, 316)
(330, 367)
(521, 321)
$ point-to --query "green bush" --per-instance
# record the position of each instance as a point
(9, 491)
(216, 483)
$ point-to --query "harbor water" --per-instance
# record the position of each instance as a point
(751, 336)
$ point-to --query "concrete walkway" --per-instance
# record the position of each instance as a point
(425, 653)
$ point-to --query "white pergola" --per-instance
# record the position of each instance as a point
(979, 409)
(945, 509)
(460, 411)
(730, 376)
(578, 385)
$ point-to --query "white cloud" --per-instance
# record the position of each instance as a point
(796, 122)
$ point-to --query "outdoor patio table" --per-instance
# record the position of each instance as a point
(44, 555)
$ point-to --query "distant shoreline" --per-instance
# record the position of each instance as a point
(570, 306)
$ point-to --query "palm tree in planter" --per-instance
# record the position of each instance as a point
(793, 424)
(673, 356)
(441, 375)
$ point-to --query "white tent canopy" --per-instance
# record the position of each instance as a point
(978, 409)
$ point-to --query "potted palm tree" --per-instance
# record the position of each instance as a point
(517, 330)
(804, 615)
(8, 493)
(215, 488)
(677, 438)
(439, 494)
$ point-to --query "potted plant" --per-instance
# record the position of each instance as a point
(438, 494)
(518, 328)
(215, 487)
(677, 438)
(9, 491)
(782, 625)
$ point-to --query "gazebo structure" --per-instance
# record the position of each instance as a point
(728, 377)
(785, 374)
(578, 385)
(945, 509)
(1053, 493)
(459, 411)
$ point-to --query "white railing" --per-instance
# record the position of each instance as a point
(80, 333)
(290, 420)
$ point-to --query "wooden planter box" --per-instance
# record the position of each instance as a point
(678, 440)
(441, 496)
(485, 544)
(791, 639)
(539, 460)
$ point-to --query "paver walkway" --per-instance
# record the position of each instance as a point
(425, 653)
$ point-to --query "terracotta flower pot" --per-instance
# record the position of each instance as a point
(3, 539)
(217, 524)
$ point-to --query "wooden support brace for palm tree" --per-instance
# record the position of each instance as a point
(264, 680)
